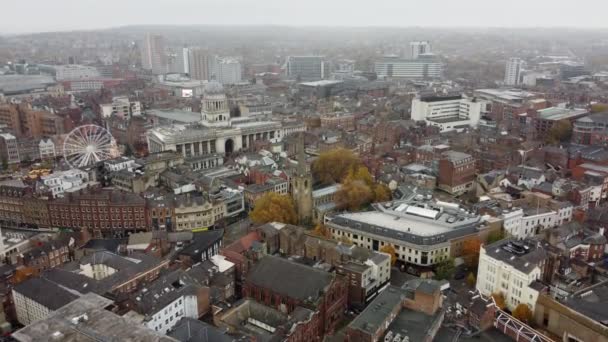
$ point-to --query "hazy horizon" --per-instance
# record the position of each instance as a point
(66, 15)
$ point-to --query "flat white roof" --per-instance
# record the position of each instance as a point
(401, 224)
(321, 83)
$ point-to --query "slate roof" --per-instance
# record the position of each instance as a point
(375, 313)
(201, 241)
(591, 302)
(94, 323)
(110, 245)
(523, 262)
(162, 292)
(69, 276)
(289, 278)
(47, 293)
(193, 330)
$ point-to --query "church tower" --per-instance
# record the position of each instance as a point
(301, 186)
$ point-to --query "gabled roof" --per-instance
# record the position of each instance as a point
(289, 278)
(47, 293)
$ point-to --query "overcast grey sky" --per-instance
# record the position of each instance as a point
(52, 15)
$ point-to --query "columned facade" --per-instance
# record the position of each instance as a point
(216, 133)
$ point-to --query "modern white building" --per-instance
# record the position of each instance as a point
(216, 132)
(512, 268)
(514, 71)
(424, 67)
(75, 72)
(227, 70)
(179, 61)
(164, 303)
(419, 48)
(120, 163)
(121, 107)
(449, 113)
(65, 181)
(423, 232)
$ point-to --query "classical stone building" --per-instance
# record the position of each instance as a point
(216, 132)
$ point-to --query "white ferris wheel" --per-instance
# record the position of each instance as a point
(86, 145)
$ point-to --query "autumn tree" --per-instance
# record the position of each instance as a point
(523, 313)
(499, 299)
(561, 131)
(382, 193)
(390, 250)
(272, 207)
(321, 231)
(332, 166)
(471, 279)
(470, 252)
(354, 195)
(599, 107)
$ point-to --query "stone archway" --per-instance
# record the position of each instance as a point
(229, 147)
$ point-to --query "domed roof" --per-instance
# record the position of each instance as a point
(214, 87)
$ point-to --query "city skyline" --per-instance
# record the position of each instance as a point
(91, 14)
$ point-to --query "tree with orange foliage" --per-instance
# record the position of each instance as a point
(334, 165)
(470, 252)
(272, 207)
(523, 313)
(321, 231)
(499, 299)
(390, 250)
(382, 193)
(353, 195)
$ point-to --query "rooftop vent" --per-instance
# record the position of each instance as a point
(79, 319)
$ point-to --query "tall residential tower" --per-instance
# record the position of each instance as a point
(513, 71)
(153, 54)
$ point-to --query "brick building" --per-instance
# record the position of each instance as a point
(104, 212)
(413, 312)
(24, 121)
(344, 121)
(286, 285)
(12, 193)
(456, 172)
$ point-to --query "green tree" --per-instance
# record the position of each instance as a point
(471, 279)
(445, 269)
(495, 236)
(273, 207)
(561, 131)
(4, 164)
(128, 150)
